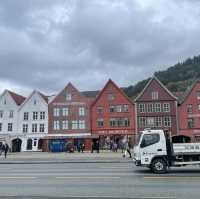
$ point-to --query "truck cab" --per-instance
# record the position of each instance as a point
(151, 151)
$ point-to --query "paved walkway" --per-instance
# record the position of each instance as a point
(44, 157)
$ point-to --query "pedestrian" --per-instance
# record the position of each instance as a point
(1, 148)
(6, 148)
(82, 147)
(127, 149)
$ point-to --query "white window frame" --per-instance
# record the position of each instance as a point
(65, 111)
(25, 128)
(166, 107)
(65, 124)
(10, 127)
(154, 95)
(167, 121)
(56, 112)
(81, 124)
(56, 125)
(81, 111)
(34, 128)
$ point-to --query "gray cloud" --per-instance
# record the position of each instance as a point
(46, 44)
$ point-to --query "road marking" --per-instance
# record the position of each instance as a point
(16, 177)
(88, 177)
(172, 178)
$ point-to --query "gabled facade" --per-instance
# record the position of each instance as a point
(189, 113)
(156, 108)
(112, 116)
(33, 121)
(69, 120)
(9, 106)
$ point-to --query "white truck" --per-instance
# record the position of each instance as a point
(156, 151)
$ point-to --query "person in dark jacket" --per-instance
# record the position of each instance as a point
(6, 148)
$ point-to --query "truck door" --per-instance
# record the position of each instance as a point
(152, 145)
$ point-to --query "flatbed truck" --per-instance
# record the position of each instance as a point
(156, 151)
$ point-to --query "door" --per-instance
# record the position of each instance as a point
(16, 145)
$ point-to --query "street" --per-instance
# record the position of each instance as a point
(117, 180)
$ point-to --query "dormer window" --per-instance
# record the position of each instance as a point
(154, 95)
(68, 96)
(35, 102)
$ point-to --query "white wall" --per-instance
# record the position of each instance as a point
(30, 107)
(6, 108)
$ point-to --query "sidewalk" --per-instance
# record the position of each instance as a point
(52, 158)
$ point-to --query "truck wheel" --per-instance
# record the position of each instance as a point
(159, 166)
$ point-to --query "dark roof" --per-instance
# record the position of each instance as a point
(17, 98)
(90, 93)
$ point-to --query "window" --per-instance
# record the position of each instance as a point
(125, 108)
(149, 108)
(150, 122)
(191, 123)
(42, 115)
(65, 124)
(56, 125)
(81, 111)
(68, 96)
(126, 122)
(0, 126)
(112, 109)
(157, 107)
(5, 101)
(149, 139)
(35, 102)
(158, 121)
(167, 121)
(189, 108)
(1, 114)
(74, 124)
(119, 108)
(113, 122)
(81, 124)
(25, 115)
(11, 113)
(142, 122)
(25, 128)
(166, 107)
(111, 96)
(100, 110)
(42, 128)
(65, 111)
(56, 112)
(35, 115)
(198, 107)
(198, 95)
(10, 125)
(100, 123)
(154, 95)
(142, 108)
(34, 128)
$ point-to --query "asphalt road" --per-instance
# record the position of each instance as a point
(95, 180)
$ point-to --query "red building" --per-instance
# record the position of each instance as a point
(112, 115)
(189, 113)
(156, 108)
(69, 120)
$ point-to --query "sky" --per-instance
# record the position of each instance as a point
(44, 44)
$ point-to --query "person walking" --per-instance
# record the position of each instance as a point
(6, 148)
(127, 149)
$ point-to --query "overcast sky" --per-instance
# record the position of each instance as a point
(44, 44)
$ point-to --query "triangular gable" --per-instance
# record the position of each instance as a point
(67, 87)
(30, 96)
(158, 82)
(187, 93)
(16, 98)
(104, 88)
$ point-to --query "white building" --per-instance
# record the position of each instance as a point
(33, 121)
(9, 106)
